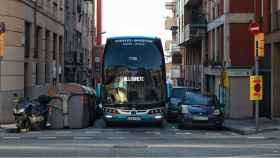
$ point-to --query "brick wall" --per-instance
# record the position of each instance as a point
(241, 6)
(241, 45)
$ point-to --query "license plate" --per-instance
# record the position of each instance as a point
(134, 118)
(200, 118)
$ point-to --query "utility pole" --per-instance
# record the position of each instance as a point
(256, 81)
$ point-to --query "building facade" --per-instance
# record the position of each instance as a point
(79, 37)
(218, 50)
(33, 57)
(193, 40)
(230, 49)
(176, 52)
(268, 16)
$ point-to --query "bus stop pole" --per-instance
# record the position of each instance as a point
(257, 73)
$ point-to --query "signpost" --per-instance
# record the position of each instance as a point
(2, 38)
(254, 30)
(259, 44)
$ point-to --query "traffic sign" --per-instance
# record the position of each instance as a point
(254, 28)
(2, 44)
(259, 44)
(224, 79)
(256, 87)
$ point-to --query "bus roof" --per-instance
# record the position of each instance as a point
(133, 37)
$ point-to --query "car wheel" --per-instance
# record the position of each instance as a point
(108, 124)
(181, 123)
(219, 126)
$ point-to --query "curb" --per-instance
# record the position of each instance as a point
(239, 131)
(248, 132)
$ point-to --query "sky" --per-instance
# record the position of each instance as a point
(135, 17)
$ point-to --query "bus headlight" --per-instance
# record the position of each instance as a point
(217, 112)
(108, 116)
(158, 117)
(155, 111)
(185, 109)
(110, 110)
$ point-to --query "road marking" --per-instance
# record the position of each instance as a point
(121, 132)
(116, 138)
(46, 138)
(82, 138)
(256, 137)
(11, 137)
(63, 132)
(150, 132)
(186, 133)
(92, 132)
(34, 132)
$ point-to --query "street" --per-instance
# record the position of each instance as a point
(136, 141)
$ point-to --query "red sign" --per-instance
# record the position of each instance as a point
(254, 28)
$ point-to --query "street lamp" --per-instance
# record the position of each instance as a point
(94, 58)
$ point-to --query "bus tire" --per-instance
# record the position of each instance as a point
(108, 124)
(159, 124)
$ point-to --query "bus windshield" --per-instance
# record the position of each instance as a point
(133, 73)
(133, 54)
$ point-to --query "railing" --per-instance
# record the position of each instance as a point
(170, 5)
(193, 75)
(194, 31)
(175, 48)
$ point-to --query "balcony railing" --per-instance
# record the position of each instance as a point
(170, 5)
(194, 31)
(175, 48)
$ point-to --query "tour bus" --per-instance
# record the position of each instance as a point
(133, 81)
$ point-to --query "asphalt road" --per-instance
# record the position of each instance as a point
(136, 141)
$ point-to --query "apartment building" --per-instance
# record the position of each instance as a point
(230, 49)
(268, 16)
(194, 32)
(216, 41)
(79, 32)
(176, 73)
(33, 51)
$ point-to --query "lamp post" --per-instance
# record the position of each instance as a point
(95, 53)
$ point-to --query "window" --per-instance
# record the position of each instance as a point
(60, 49)
(27, 39)
(262, 8)
(54, 46)
(38, 41)
(37, 74)
(47, 51)
(55, 8)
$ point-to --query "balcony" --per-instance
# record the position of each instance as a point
(194, 32)
(170, 5)
(175, 49)
(193, 2)
(170, 23)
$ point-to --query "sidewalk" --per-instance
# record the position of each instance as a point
(7, 127)
(245, 127)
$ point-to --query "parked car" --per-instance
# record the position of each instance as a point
(199, 109)
(176, 96)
